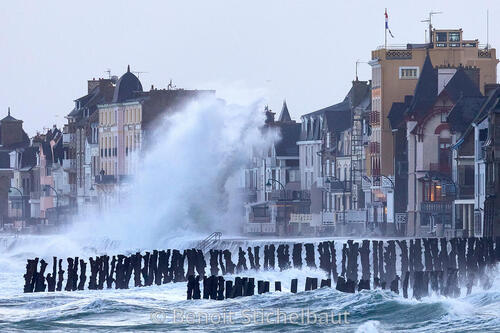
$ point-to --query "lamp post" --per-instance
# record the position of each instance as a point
(329, 183)
(269, 185)
(22, 198)
(48, 187)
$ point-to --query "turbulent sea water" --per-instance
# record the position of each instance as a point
(165, 308)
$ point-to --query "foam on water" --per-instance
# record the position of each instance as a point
(185, 191)
(118, 310)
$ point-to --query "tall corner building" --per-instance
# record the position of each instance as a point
(395, 72)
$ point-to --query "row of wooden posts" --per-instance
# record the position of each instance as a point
(446, 264)
(217, 288)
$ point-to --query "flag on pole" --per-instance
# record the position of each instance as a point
(387, 23)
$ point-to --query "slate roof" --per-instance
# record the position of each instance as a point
(28, 157)
(8, 118)
(464, 112)
(101, 94)
(461, 85)
(338, 121)
(426, 90)
(284, 114)
(338, 117)
(490, 101)
(126, 87)
(461, 89)
(290, 134)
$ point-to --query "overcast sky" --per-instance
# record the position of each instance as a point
(304, 51)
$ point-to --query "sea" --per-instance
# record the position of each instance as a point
(165, 308)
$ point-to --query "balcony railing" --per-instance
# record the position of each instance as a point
(105, 179)
(438, 207)
(290, 195)
(398, 54)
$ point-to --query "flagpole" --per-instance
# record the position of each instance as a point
(385, 29)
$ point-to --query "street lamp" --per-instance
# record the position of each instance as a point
(22, 198)
(269, 185)
(47, 187)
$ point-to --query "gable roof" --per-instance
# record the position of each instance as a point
(426, 90)
(284, 114)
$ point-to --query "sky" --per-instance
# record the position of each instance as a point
(301, 51)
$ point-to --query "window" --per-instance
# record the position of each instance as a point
(454, 36)
(454, 44)
(469, 44)
(441, 44)
(408, 73)
(483, 134)
(444, 157)
(441, 36)
(432, 191)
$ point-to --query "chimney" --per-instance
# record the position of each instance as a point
(91, 84)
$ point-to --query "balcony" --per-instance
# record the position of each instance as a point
(357, 216)
(301, 218)
(290, 195)
(265, 228)
(436, 207)
(105, 179)
(338, 186)
(374, 148)
(374, 117)
(328, 218)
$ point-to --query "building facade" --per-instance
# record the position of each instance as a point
(395, 73)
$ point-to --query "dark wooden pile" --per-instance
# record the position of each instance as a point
(427, 265)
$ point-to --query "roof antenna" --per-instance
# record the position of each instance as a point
(487, 29)
(109, 72)
(8, 110)
(357, 63)
(138, 73)
(429, 20)
(171, 86)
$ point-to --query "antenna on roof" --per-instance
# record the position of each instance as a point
(138, 73)
(487, 29)
(429, 20)
(109, 72)
(357, 63)
(171, 86)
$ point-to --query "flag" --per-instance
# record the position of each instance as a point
(387, 23)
